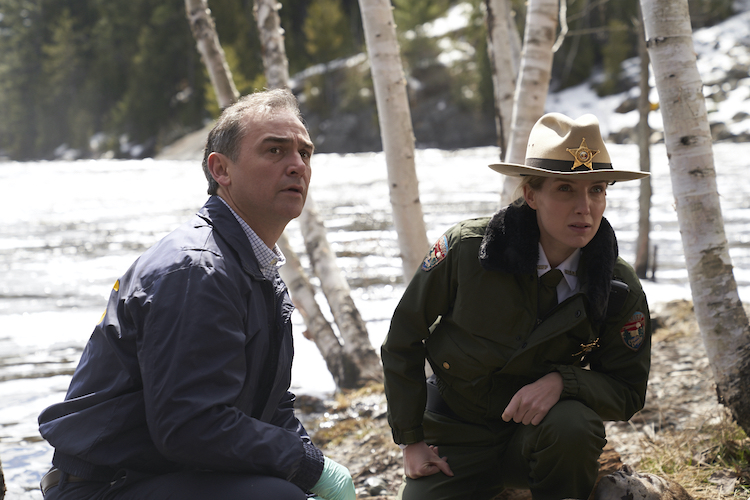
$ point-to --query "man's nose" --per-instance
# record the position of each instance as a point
(297, 164)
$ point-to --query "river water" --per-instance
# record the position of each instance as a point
(72, 228)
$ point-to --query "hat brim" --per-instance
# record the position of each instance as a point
(608, 174)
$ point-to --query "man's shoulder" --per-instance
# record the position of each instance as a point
(193, 244)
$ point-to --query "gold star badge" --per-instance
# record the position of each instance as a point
(583, 155)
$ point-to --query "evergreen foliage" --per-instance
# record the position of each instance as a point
(127, 73)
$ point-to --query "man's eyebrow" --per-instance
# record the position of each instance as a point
(287, 140)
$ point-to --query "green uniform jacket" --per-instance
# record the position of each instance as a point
(471, 311)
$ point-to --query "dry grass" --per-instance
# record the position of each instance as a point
(711, 462)
(345, 418)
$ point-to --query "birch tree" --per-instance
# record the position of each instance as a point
(351, 367)
(363, 363)
(644, 143)
(204, 31)
(718, 309)
(358, 363)
(396, 131)
(502, 36)
(345, 374)
(275, 63)
(533, 82)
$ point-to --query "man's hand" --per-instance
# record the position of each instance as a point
(532, 402)
(335, 483)
(420, 460)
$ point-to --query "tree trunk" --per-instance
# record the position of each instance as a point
(345, 374)
(352, 328)
(347, 370)
(2, 483)
(204, 32)
(395, 131)
(503, 67)
(533, 83)
(358, 363)
(272, 43)
(721, 317)
(644, 142)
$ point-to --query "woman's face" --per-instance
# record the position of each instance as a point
(569, 212)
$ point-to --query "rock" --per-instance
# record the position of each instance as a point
(309, 404)
(375, 486)
(627, 483)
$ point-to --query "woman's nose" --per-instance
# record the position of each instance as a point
(583, 204)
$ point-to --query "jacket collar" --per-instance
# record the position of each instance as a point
(216, 213)
(510, 245)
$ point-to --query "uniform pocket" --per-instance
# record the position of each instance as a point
(450, 361)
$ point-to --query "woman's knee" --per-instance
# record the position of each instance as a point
(572, 422)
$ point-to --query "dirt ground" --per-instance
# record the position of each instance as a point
(353, 429)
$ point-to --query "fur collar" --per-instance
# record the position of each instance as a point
(510, 245)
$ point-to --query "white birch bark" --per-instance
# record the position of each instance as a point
(532, 85)
(318, 328)
(352, 327)
(204, 31)
(358, 363)
(721, 317)
(396, 131)
(345, 368)
(272, 43)
(503, 66)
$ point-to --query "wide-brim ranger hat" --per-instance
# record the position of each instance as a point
(560, 146)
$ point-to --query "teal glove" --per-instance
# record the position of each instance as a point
(335, 483)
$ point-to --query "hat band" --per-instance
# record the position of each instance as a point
(564, 165)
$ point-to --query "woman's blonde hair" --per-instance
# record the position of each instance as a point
(533, 181)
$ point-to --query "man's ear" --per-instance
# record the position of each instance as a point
(219, 165)
(530, 196)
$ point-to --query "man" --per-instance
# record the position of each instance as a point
(182, 389)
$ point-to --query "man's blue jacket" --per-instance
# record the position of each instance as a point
(189, 367)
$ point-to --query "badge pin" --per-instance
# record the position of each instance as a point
(587, 348)
(583, 155)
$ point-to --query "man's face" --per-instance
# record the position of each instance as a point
(267, 185)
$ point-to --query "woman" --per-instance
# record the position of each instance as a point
(524, 373)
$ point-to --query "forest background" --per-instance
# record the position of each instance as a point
(123, 79)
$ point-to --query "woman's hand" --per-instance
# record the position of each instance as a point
(421, 460)
(532, 402)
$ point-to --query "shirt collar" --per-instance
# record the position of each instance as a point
(269, 259)
(569, 268)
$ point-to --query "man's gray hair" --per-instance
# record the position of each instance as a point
(227, 135)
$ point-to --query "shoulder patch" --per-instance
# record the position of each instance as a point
(634, 331)
(438, 252)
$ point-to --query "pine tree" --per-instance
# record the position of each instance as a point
(20, 76)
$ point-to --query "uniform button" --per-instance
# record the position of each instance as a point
(578, 313)
(523, 345)
(446, 365)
